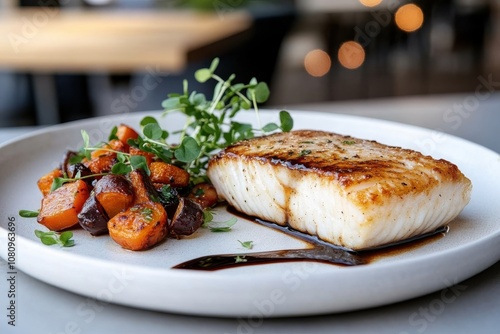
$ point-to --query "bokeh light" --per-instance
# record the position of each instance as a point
(370, 3)
(317, 63)
(351, 55)
(409, 17)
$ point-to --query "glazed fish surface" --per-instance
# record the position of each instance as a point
(350, 192)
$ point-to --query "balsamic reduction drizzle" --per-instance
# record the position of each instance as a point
(319, 251)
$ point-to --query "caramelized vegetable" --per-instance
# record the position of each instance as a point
(45, 182)
(187, 218)
(93, 217)
(60, 208)
(145, 223)
(102, 164)
(149, 156)
(204, 194)
(124, 133)
(114, 193)
(81, 170)
(163, 172)
(139, 227)
(143, 188)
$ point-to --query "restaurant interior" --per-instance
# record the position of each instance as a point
(308, 51)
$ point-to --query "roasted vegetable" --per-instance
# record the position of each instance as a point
(187, 218)
(93, 217)
(45, 182)
(102, 164)
(149, 156)
(204, 194)
(162, 172)
(80, 170)
(139, 227)
(60, 207)
(144, 224)
(114, 193)
(125, 132)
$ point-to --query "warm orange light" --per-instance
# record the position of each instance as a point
(317, 63)
(370, 3)
(409, 17)
(351, 55)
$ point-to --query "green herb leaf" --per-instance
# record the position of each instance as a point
(148, 120)
(188, 151)
(28, 213)
(261, 92)
(270, 127)
(57, 183)
(203, 75)
(240, 259)
(246, 244)
(139, 162)
(214, 65)
(121, 168)
(51, 238)
(222, 226)
(112, 134)
(152, 131)
(286, 121)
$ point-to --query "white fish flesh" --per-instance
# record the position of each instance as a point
(350, 192)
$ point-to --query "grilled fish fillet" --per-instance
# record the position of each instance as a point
(350, 192)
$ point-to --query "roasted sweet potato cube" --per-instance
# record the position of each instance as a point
(114, 193)
(125, 132)
(149, 156)
(60, 207)
(102, 164)
(163, 172)
(45, 182)
(140, 227)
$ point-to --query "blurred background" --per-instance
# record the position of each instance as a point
(308, 51)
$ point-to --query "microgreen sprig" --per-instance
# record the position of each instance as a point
(210, 124)
(52, 238)
(216, 226)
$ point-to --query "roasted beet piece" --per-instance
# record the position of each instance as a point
(187, 218)
(93, 217)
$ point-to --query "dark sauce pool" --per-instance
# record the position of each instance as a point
(317, 250)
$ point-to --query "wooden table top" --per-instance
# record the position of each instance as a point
(55, 40)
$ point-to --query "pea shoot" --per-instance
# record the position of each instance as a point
(54, 238)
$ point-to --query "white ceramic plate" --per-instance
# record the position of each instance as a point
(98, 268)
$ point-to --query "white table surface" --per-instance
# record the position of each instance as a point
(476, 309)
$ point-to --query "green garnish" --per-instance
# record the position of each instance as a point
(239, 259)
(210, 124)
(28, 213)
(349, 142)
(52, 238)
(246, 244)
(215, 226)
(305, 152)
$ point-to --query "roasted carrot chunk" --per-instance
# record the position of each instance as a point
(114, 193)
(140, 227)
(162, 172)
(60, 207)
(125, 132)
(45, 182)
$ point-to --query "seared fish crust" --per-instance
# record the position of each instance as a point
(350, 192)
